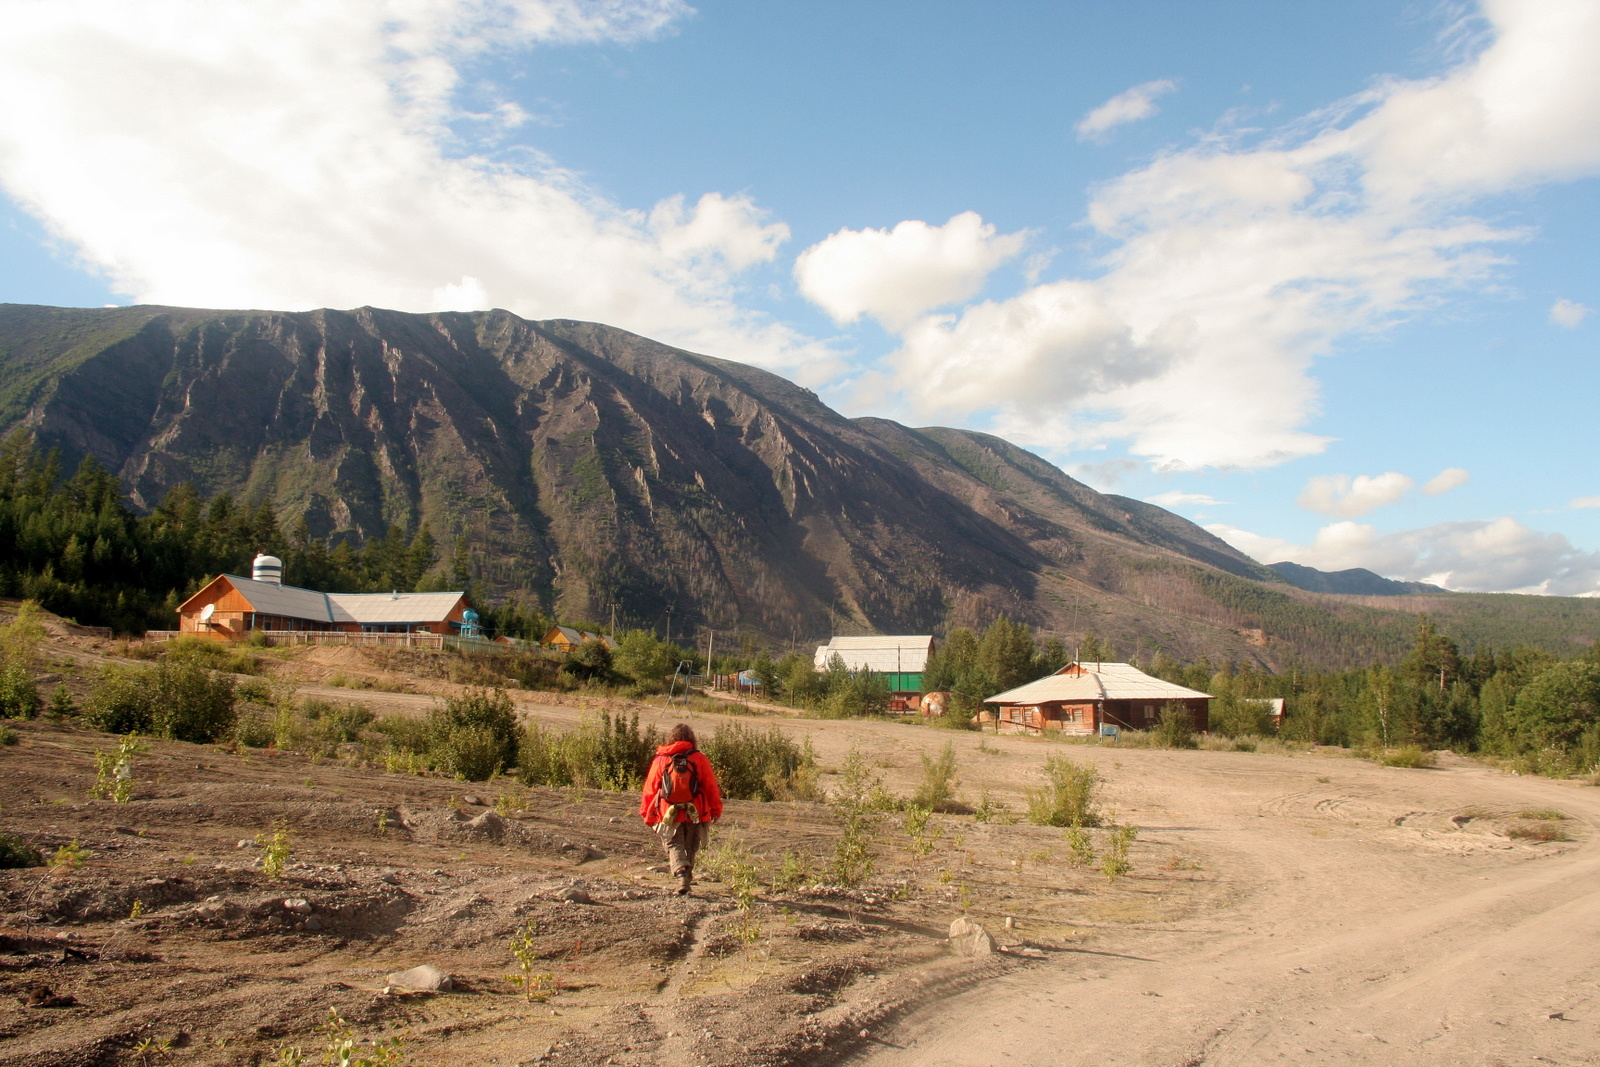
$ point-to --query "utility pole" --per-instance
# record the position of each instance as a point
(669, 626)
(711, 646)
(613, 621)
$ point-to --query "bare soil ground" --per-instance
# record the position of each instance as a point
(1308, 909)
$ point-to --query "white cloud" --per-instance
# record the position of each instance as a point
(896, 275)
(1585, 502)
(1130, 105)
(1446, 480)
(1345, 497)
(1568, 313)
(1499, 555)
(304, 153)
(1237, 266)
(1177, 498)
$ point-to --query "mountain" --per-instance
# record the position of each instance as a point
(595, 469)
(1357, 580)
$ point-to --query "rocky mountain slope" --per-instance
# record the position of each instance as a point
(599, 470)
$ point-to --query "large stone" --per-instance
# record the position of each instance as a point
(423, 979)
(967, 938)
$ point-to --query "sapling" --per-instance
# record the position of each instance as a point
(275, 850)
(534, 984)
(1114, 863)
(68, 857)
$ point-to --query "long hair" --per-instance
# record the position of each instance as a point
(681, 732)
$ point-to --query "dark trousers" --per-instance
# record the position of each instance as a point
(684, 845)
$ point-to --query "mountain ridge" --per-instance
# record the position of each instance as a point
(589, 467)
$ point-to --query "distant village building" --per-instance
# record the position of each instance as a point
(230, 606)
(565, 638)
(1080, 698)
(899, 660)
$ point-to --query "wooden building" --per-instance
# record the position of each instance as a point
(1080, 698)
(230, 606)
(565, 638)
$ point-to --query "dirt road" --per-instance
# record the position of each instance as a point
(1369, 928)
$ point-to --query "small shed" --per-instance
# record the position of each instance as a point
(1080, 698)
(567, 638)
(900, 660)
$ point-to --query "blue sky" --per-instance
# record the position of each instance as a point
(1316, 275)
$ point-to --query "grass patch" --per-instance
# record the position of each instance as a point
(1538, 831)
(1542, 814)
(1409, 756)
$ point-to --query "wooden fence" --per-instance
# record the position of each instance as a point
(327, 637)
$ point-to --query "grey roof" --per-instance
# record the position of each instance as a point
(270, 598)
(887, 654)
(1100, 681)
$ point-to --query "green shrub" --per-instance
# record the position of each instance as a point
(754, 764)
(602, 753)
(174, 698)
(1176, 729)
(19, 696)
(8, 736)
(15, 852)
(1068, 799)
(938, 787)
(474, 736)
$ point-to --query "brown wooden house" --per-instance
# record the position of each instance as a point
(1080, 698)
(566, 638)
(230, 607)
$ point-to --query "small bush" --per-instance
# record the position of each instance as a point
(475, 735)
(754, 764)
(1176, 729)
(8, 736)
(1068, 799)
(176, 698)
(1412, 756)
(939, 780)
(19, 696)
(15, 852)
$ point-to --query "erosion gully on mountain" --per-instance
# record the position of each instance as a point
(1310, 908)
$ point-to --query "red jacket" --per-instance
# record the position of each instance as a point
(708, 804)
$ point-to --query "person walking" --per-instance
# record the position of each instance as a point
(680, 801)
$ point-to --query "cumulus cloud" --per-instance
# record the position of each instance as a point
(1345, 497)
(1177, 498)
(1446, 480)
(896, 275)
(1568, 313)
(1235, 266)
(1499, 555)
(304, 153)
(1585, 502)
(1130, 105)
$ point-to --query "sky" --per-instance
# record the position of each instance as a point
(1323, 277)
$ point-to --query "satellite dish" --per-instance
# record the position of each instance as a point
(207, 611)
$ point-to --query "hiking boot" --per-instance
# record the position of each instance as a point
(685, 880)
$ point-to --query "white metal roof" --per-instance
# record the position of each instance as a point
(888, 654)
(393, 607)
(1099, 681)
